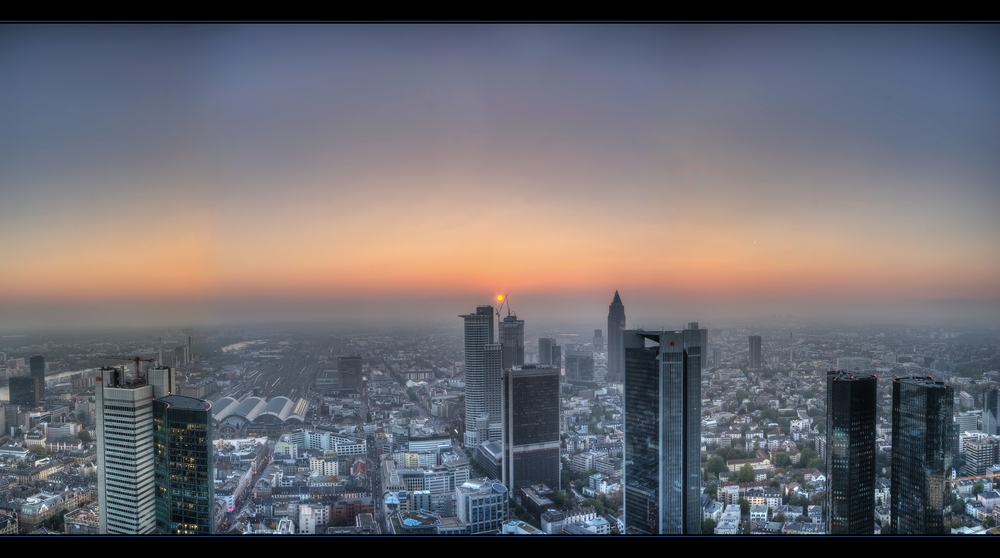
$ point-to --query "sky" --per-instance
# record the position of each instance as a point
(205, 174)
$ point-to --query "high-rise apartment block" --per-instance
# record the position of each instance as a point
(616, 331)
(662, 432)
(755, 360)
(38, 371)
(850, 459)
(531, 427)
(922, 418)
(512, 339)
(482, 378)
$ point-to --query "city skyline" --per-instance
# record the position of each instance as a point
(178, 174)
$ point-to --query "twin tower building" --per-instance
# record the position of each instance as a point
(518, 404)
(154, 455)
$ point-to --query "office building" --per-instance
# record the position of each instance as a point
(662, 432)
(579, 367)
(482, 397)
(125, 453)
(991, 411)
(38, 371)
(922, 420)
(349, 372)
(755, 352)
(980, 454)
(850, 459)
(545, 345)
(512, 339)
(183, 465)
(598, 341)
(25, 390)
(616, 349)
(531, 427)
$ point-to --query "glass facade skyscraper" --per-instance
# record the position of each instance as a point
(531, 427)
(479, 386)
(38, 371)
(512, 339)
(662, 432)
(755, 357)
(182, 442)
(850, 455)
(922, 416)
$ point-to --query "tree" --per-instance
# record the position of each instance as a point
(783, 460)
(744, 506)
(708, 527)
(958, 506)
(39, 451)
(989, 522)
(84, 436)
(747, 474)
(712, 490)
(596, 504)
(977, 489)
(716, 465)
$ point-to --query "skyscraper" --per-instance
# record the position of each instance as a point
(38, 371)
(545, 345)
(755, 352)
(349, 372)
(616, 348)
(850, 459)
(922, 417)
(598, 341)
(126, 483)
(512, 339)
(478, 334)
(185, 490)
(531, 427)
(662, 432)
(24, 390)
(991, 412)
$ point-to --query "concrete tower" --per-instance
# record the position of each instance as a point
(478, 334)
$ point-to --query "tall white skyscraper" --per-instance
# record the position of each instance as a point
(126, 484)
(478, 334)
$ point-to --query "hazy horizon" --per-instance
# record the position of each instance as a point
(196, 175)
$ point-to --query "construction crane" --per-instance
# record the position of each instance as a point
(135, 359)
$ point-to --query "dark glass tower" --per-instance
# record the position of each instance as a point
(616, 348)
(922, 415)
(512, 339)
(755, 352)
(24, 390)
(349, 371)
(182, 442)
(531, 427)
(663, 432)
(850, 453)
(991, 411)
(38, 371)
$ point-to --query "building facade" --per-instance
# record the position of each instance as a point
(662, 432)
(38, 371)
(531, 427)
(183, 466)
(479, 334)
(126, 481)
(512, 339)
(850, 455)
(24, 390)
(922, 416)
(991, 411)
(616, 348)
(349, 372)
(755, 355)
